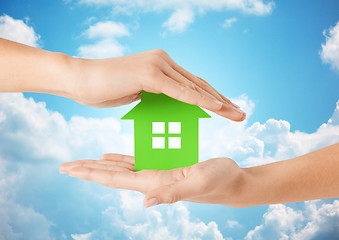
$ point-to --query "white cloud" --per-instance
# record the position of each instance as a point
(17, 220)
(106, 45)
(321, 221)
(330, 50)
(172, 222)
(29, 126)
(18, 31)
(86, 236)
(229, 22)
(106, 48)
(256, 7)
(179, 20)
(334, 120)
(279, 222)
(232, 224)
(183, 12)
(317, 221)
(34, 141)
(20, 222)
(261, 143)
(107, 29)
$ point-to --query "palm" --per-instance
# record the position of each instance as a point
(117, 171)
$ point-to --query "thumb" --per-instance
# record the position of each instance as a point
(170, 193)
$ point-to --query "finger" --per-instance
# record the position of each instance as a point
(186, 94)
(197, 80)
(171, 193)
(231, 113)
(108, 163)
(204, 85)
(112, 179)
(101, 164)
(170, 72)
(65, 167)
(110, 167)
(117, 157)
(204, 82)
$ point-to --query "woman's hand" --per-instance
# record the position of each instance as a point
(106, 82)
(117, 81)
(218, 180)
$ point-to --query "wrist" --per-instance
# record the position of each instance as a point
(65, 72)
(78, 86)
(59, 74)
(251, 188)
(249, 193)
(266, 184)
(239, 194)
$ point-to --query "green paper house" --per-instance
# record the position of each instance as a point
(165, 132)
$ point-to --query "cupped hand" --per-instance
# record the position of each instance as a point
(118, 81)
(217, 181)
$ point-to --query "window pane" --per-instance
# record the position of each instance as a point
(158, 142)
(158, 127)
(174, 127)
(174, 142)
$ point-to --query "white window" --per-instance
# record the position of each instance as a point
(174, 127)
(158, 142)
(161, 135)
(174, 142)
(158, 127)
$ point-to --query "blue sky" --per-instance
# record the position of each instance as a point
(267, 57)
(273, 58)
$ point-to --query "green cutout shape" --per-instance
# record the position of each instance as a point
(166, 132)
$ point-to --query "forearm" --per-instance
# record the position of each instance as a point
(311, 176)
(28, 69)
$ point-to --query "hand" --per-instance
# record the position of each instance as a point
(216, 181)
(117, 81)
(220, 180)
(106, 82)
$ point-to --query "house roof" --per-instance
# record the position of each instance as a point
(154, 105)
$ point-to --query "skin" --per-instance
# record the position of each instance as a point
(117, 81)
(220, 180)
(107, 82)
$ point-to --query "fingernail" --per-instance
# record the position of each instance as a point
(151, 202)
(243, 114)
(238, 110)
(62, 170)
(243, 117)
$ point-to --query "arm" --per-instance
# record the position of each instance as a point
(220, 180)
(106, 82)
(28, 69)
(311, 176)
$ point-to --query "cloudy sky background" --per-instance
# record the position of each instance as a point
(278, 60)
